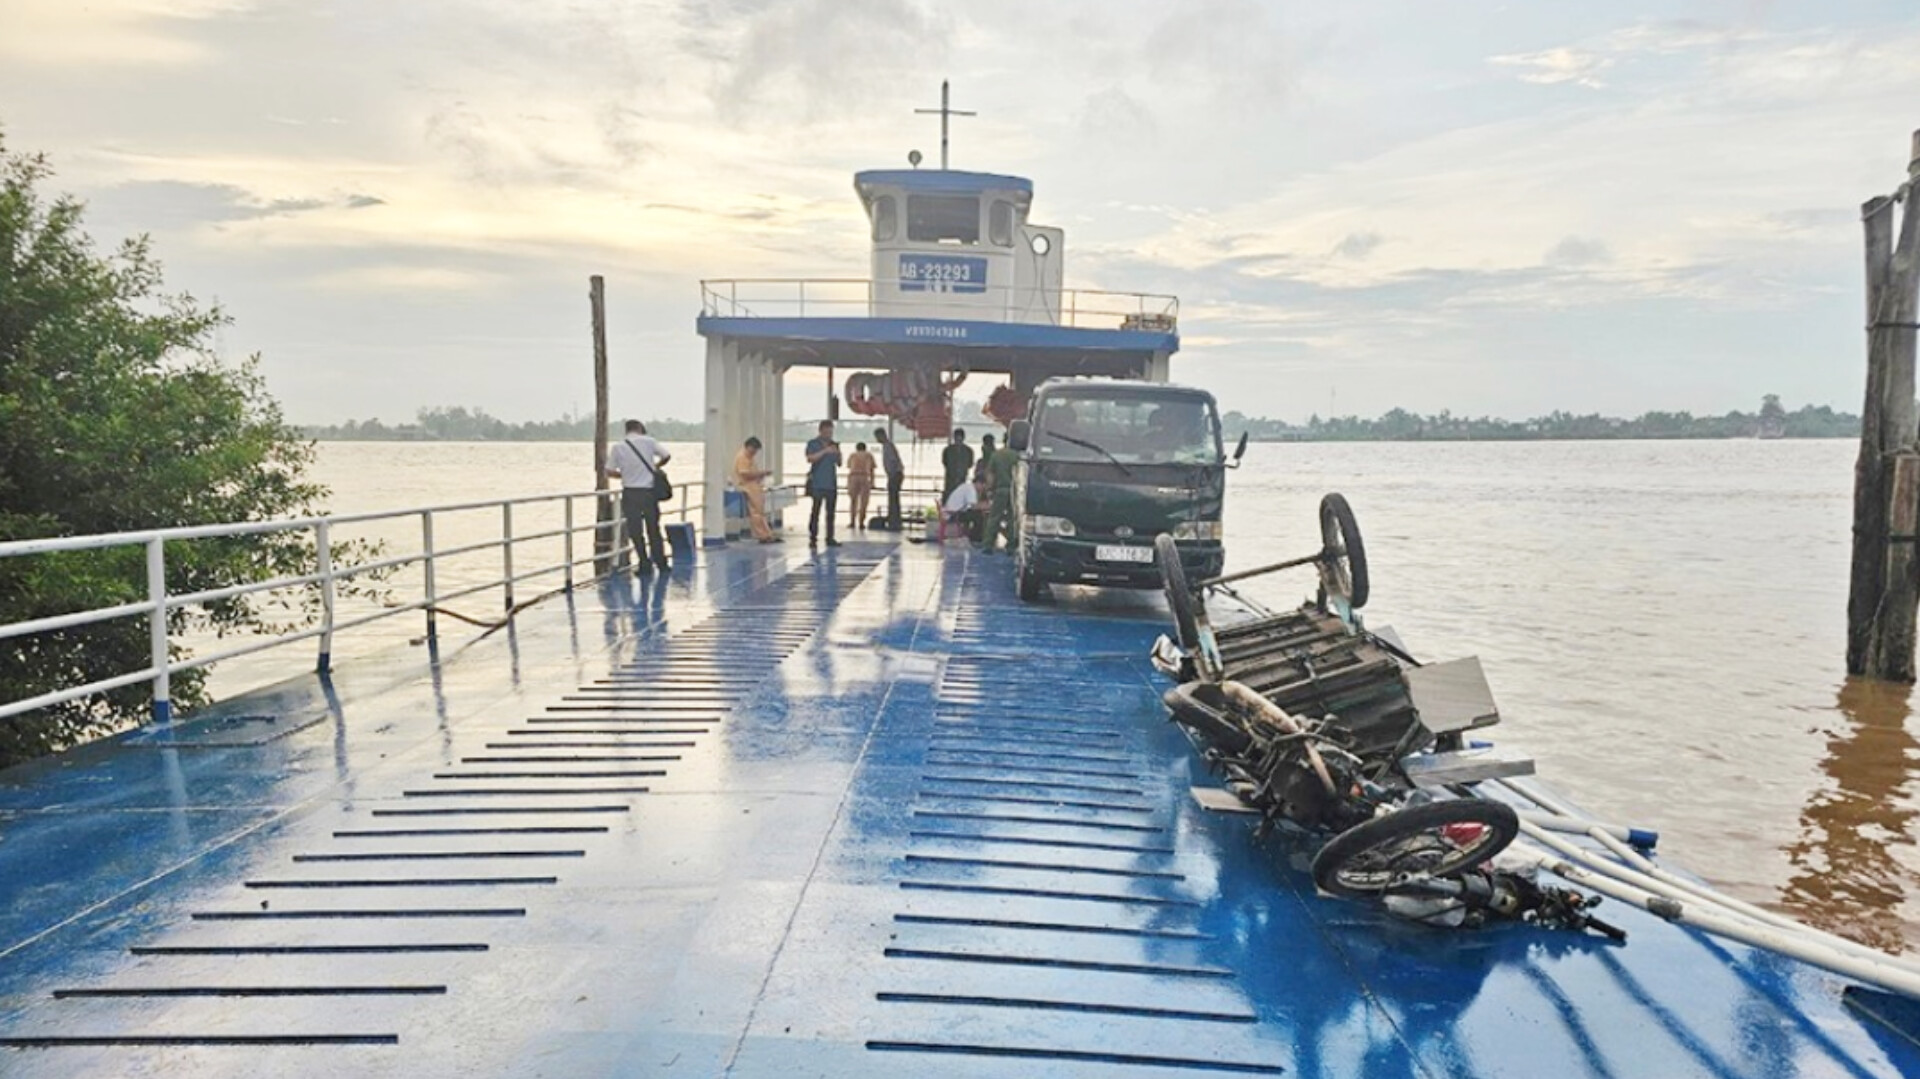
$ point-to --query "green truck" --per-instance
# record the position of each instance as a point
(1105, 466)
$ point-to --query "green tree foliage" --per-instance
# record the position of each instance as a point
(115, 415)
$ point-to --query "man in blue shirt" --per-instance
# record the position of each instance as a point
(823, 482)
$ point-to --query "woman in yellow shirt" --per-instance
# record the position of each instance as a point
(748, 479)
(859, 485)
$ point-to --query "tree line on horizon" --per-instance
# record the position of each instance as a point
(1771, 420)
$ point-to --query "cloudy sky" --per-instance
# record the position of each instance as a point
(1489, 208)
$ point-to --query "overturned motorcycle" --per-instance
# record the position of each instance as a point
(1336, 734)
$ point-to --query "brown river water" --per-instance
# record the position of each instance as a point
(1663, 624)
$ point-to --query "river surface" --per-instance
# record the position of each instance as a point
(1663, 624)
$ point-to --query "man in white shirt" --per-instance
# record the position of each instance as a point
(636, 459)
(962, 508)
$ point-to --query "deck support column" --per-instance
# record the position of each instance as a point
(722, 355)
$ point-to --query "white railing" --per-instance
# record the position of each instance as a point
(326, 577)
(854, 297)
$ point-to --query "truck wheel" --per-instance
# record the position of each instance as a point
(1032, 588)
(1343, 558)
(1180, 598)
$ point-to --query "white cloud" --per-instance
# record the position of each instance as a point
(1558, 65)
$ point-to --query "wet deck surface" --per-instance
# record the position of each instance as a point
(779, 816)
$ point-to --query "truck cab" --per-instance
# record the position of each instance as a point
(1106, 465)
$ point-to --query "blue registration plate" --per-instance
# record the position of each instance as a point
(942, 273)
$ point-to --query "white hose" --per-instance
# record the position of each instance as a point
(1643, 873)
(1717, 911)
(1881, 971)
(1555, 822)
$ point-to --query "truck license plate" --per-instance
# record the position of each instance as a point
(1117, 553)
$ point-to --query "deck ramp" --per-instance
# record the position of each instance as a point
(780, 815)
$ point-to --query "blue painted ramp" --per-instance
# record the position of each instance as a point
(780, 816)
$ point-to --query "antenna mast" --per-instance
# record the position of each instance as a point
(944, 112)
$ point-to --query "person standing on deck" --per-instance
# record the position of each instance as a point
(859, 486)
(750, 480)
(896, 470)
(1000, 468)
(636, 459)
(957, 461)
(823, 482)
(980, 467)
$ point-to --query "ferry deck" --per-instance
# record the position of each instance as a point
(780, 814)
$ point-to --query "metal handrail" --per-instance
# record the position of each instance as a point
(720, 298)
(325, 577)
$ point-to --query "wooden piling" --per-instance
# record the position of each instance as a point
(603, 555)
(1884, 590)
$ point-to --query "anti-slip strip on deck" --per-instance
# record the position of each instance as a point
(448, 811)
(630, 773)
(188, 1040)
(536, 829)
(567, 758)
(296, 915)
(519, 792)
(1013, 1052)
(164, 991)
(302, 949)
(942, 742)
(1064, 803)
(1052, 927)
(405, 882)
(1082, 1007)
(1158, 970)
(1043, 867)
(1030, 841)
(552, 732)
(1045, 784)
(598, 743)
(1047, 893)
(1004, 768)
(1059, 822)
(435, 855)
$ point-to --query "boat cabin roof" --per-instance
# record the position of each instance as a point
(873, 183)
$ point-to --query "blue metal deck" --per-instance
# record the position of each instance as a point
(776, 816)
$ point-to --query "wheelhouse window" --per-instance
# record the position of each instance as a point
(1130, 429)
(947, 219)
(1000, 224)
(886, 218)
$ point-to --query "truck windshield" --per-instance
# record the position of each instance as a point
(1127, 429)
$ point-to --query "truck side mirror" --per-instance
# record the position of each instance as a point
(1017, 434)
(1240, 450)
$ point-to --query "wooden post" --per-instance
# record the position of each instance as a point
(1884, 589)
(603, 561)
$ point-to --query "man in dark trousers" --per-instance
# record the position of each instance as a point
(896, 471)
(1001, 520)
(957, 461)
(823, 482)
(636, 459)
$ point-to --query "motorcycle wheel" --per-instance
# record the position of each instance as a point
(1180, 598)
(1343, 557)
(1421, 840)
